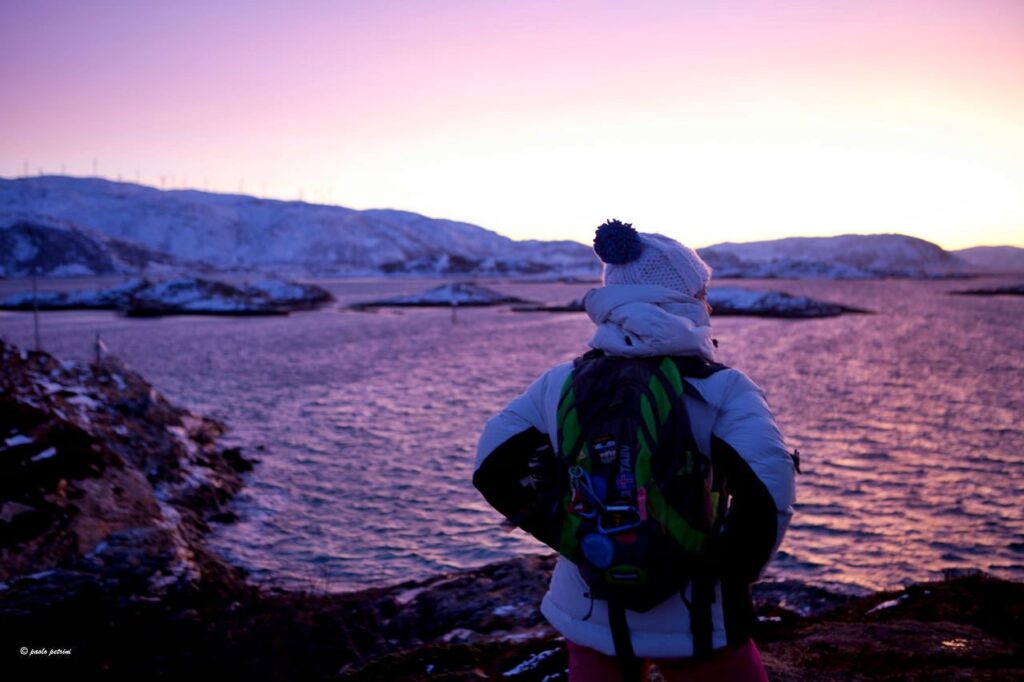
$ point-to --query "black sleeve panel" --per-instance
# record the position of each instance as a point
(519, 478)
(497, 475)
(751, 523)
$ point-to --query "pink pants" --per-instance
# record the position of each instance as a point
(734, 663)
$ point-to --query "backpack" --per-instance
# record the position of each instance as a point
(643, 504)
(627, 496)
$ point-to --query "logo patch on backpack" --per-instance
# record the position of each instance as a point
(606, 449)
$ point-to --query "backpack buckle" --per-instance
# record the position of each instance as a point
(618, 518)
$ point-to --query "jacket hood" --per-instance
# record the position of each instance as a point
(638, 320)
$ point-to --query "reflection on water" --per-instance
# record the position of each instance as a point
(908, 422)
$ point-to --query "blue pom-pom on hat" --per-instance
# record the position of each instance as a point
(617, 243)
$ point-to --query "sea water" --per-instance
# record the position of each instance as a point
(908, 421)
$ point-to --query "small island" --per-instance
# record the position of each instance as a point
(739, 301)
(182, 296)
(461, 294)
(1013, 290)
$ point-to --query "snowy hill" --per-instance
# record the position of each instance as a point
(843, 257)
(235, 231)
(54, 248)
(994, 258)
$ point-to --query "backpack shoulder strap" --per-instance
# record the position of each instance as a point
(568, 418)
(630, 666)
(697, 367)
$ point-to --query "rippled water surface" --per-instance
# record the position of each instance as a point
(909, 422)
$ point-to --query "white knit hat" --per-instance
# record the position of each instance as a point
(631, 257)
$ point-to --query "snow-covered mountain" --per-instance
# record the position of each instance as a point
(851, 256)
(79, 226)
(994, 258)
(235, 231)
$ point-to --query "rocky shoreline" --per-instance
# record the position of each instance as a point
(106, 493)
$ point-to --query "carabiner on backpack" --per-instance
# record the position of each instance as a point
(585, 501)
(611, 518)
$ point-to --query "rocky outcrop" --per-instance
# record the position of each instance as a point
(102, 477)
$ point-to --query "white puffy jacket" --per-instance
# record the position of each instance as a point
(637, 320)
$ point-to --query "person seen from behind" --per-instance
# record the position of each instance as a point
(658, 474)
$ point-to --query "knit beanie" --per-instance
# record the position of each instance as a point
(631, 257)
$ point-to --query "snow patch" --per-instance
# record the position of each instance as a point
(506, 610)
(406, 596)
(459, 635)
(530, 663)
(18, 439)
(888, 604)
(71, 270)
(50, 387)
(45, 454)
(83, 401)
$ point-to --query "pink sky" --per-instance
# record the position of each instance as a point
(709, 121)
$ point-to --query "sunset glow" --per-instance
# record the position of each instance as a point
(709, 121)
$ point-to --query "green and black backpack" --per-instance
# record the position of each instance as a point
(641, 508)
(628, 497)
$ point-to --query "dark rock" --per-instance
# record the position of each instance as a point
(1016, 290)
(237, 461)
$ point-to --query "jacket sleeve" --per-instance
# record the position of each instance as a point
(515, 458)
(759, 473)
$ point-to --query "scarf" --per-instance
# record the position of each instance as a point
(639, 320)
